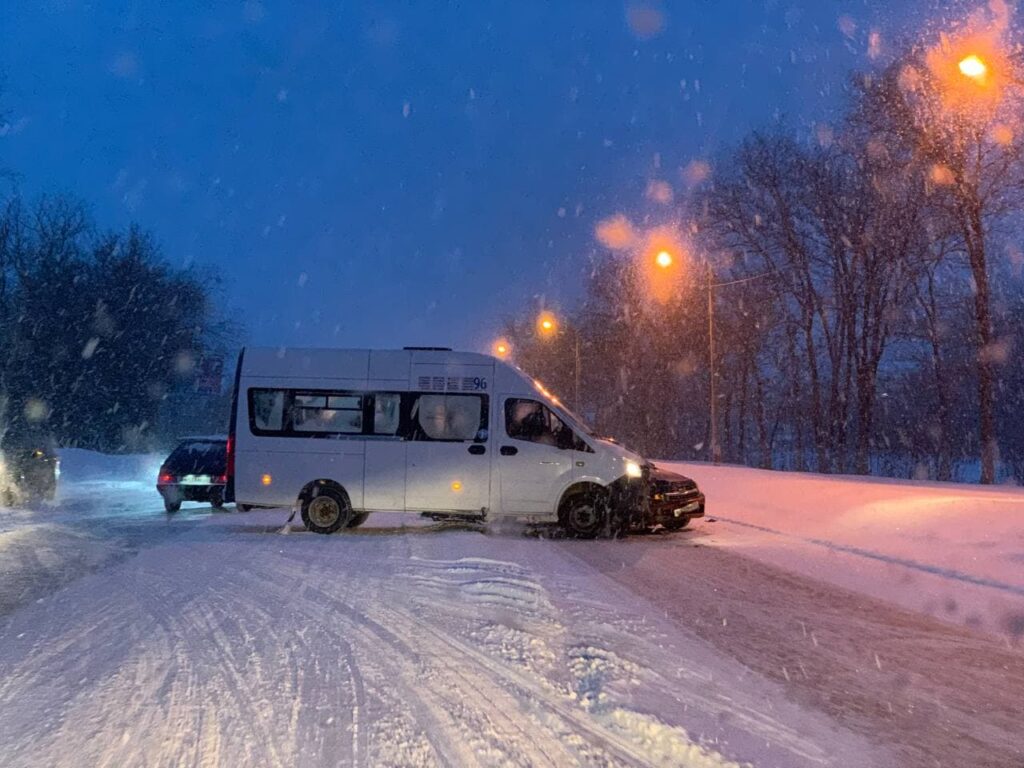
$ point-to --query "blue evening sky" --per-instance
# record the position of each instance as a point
(379, 174)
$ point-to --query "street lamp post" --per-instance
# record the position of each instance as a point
(715, 451)
(547, 327)
(576, 377)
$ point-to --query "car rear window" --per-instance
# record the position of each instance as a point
(197, 457)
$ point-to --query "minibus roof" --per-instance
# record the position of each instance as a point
(350, 363)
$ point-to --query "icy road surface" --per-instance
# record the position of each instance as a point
(213, 639)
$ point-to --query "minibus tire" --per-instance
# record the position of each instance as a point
(316, 510)
(358, 520)
(584, 515)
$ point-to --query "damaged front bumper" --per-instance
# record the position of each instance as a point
(658, 497)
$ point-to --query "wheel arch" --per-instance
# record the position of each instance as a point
(580, 488)
(312, 489)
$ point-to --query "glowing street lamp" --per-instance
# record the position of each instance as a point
(663, 259)
(501, 348)
(973, 66)
(547, 328)
(547, 324)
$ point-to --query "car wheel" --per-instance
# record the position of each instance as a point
(584, 515)
(171, 506)
(358, 520)
(677, 523)
(216, 499)
(327, 511)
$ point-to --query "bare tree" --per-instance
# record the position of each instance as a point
(970, 158)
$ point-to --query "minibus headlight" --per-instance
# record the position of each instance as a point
(633, 469)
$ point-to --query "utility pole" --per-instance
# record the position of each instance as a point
(714, 451)
(576, 381)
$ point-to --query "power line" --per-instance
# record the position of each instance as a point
(742, 279)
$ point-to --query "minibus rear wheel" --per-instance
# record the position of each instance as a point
(325, 509)
(584, 515)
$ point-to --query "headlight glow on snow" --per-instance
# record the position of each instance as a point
(633, 469)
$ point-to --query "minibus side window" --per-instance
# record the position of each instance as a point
(337, 413)
(448, 417)
(387, 413)
(534, 422)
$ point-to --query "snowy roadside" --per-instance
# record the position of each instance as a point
(955, 552)
(106, 508)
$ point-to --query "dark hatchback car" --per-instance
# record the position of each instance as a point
(196, 470)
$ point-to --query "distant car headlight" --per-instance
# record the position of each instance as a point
(633, 469)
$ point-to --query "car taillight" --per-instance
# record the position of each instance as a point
(165, 477)
(220, 479)
(231, 458)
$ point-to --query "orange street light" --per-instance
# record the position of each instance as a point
(973, 66)
(547, 328)
(663, 259)
(547, 324)
(501, 348)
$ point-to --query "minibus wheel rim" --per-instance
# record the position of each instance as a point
(324, 511)
(583, 517)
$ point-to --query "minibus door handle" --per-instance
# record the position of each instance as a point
(509, 450)
(476, 450)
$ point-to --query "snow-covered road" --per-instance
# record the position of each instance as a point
(213, 639)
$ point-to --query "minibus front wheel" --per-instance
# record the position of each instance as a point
(584, 515)
(325, 508)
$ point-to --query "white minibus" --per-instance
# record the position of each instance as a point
(341, 433)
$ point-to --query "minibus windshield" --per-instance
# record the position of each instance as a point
(578, 423)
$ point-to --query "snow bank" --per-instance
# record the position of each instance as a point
(79, 465)
(953, 551)
(48, 544)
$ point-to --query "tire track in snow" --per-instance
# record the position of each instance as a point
(523, 686)
(914, 565)
(418, 667)
(579, 720)
(194, 625)
(312, 605)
